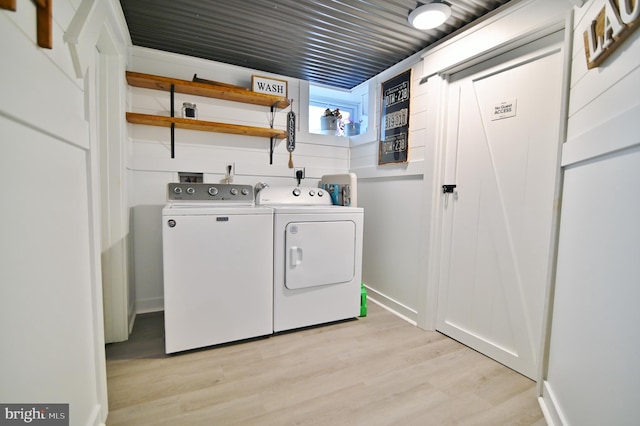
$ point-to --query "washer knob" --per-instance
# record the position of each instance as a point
(177, 190)
(190, 190)
(312, 192)
(233, 191)
(297, 192)
(213, 191)
(320, 193)
(245, 191)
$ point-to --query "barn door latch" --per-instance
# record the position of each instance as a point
(446, 190)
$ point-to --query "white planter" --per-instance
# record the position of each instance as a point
(329, 124)
(352, 129)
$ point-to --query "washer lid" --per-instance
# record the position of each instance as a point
(203, 209)
(293, 195)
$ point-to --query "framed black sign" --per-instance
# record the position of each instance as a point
(394, 120)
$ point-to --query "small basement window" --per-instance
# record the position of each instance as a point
(349, 106)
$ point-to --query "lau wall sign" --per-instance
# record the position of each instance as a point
(613, 24)
(394, 120)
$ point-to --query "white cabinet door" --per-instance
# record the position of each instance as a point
(319, 253)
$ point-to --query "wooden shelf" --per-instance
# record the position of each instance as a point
(207, 126)
(225, 92)
(211, 90)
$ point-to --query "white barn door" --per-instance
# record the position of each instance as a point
(502, 155)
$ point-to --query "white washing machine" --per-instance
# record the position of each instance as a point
(217, 264)
(317, 257)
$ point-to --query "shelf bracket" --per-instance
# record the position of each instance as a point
(271, 150)
(274, 107)
(173, 125)
(173, 136)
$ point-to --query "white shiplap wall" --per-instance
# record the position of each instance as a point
(594, 344)
(152, 166)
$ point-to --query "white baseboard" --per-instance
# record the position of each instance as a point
(549, 405)
(154, 304)
(97, 416)
(132, 320)
(396, 308)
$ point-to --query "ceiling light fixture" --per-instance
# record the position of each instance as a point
(431, 15)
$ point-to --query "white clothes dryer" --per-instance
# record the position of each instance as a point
(317, 251)
(217, 264)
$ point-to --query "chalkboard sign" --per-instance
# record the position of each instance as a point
(394, 120)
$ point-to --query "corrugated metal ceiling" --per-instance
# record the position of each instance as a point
(337, 43)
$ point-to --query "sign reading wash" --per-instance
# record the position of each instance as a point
(270, 86)
(610, 27)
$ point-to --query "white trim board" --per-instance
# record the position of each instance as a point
(550, 408)
(621, 132)
(392, 306)
(413, 168)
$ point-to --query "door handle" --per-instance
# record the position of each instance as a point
(295, 256)
(446, 190)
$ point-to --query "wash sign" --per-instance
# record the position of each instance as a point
(270, 86)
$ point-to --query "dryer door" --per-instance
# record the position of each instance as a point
(319, 253)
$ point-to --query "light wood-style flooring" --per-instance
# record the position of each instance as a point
(376, 370)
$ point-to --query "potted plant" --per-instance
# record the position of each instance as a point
(330, 121)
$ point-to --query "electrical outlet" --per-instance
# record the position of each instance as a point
(295, 172)
(230, 170)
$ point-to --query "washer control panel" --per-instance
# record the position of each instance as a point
(210, 192)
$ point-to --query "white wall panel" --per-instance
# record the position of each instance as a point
(593, 349)
(392, 240)
(51, 304)
(46, 300)
(244, 149)
(27, 96)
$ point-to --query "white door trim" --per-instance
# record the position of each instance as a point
(111, 131)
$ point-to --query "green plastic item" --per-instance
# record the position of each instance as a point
(363, 300)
